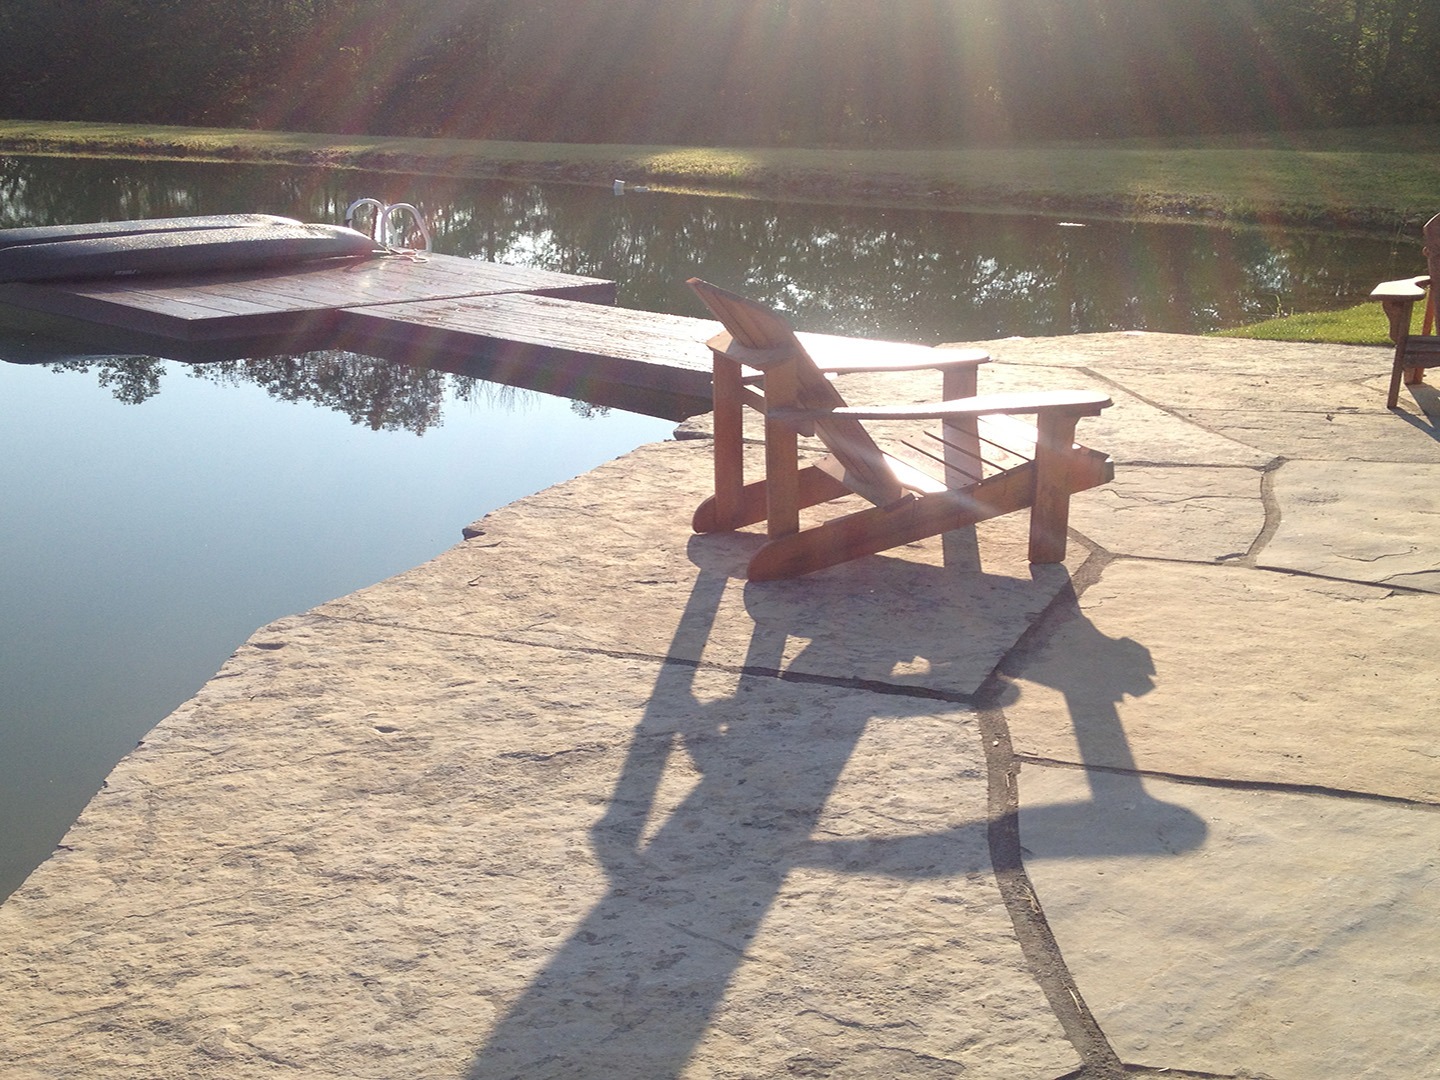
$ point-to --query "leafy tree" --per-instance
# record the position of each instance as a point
(814, 72)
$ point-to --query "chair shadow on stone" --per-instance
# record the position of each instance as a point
(1095, 674)
(1427, 400)
(716, 803)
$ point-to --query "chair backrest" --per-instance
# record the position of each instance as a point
(766, 341)
(1431, 233)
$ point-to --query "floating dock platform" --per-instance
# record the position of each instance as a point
(523, 326)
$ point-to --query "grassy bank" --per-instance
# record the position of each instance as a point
(1363, 324)
(1379, 180)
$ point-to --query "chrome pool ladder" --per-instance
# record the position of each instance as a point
(382, 225)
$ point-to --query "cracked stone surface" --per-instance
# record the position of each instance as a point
(1340, 437)
(374, 851)
(1293, 935)
(1217, 671)
(879, 614)
(1132, 431)
(1364, 521)
(1196, 514)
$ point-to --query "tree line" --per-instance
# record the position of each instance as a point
(725, 72)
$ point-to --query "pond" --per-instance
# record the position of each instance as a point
(156, 513)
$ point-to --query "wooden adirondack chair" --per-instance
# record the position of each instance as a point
(1020, 466)
(1413, 352)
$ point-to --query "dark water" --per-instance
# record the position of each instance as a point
(153, 514)
(921, 275)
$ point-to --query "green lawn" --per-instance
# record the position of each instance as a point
(1363, 324)
(1379, 179)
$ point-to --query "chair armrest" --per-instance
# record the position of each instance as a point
(846, 356)
(849, 356)
(1403, 289)
(1074, 402)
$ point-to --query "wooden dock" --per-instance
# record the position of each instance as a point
(300, 299)
(537, 328)
(587, 349)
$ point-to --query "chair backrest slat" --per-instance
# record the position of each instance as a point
(761, 331)
(1431, 233)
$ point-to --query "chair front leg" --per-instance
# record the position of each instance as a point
(1050, 512)
(728, 391)
(1399, 314)
(782, 464)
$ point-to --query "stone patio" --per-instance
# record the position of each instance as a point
(575, 800)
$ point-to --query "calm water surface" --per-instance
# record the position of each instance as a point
(140, 544)
(154, 514)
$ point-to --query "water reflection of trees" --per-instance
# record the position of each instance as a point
(379, 394)
(376, 393)
(131, 379)
(889, 272)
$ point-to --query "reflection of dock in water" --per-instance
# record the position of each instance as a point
(517, 325)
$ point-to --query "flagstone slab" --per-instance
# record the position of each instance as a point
(1203, 357)
(1365, 521)
(1195, 514)
(1132, 430)
(914, 617)
(1338, 436)
(1216, 671)
(1295, 941)
(1182, 372)
(374, 852)
(575, 799)
(1285, 396)
(1268, 388)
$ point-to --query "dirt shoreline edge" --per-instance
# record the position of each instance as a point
(835, 186)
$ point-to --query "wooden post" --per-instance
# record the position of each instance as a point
(1050, 512)
(961, 438)
(1399, 314)
(958, 382)
(781, 449)
(729, 440)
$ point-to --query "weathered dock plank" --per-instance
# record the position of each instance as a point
(572, 340)
(645, 349)
(305, 299)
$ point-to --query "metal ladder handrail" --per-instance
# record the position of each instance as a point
(380, 222)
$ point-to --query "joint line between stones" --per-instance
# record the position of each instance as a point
(843, 682)
(1233, 783)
